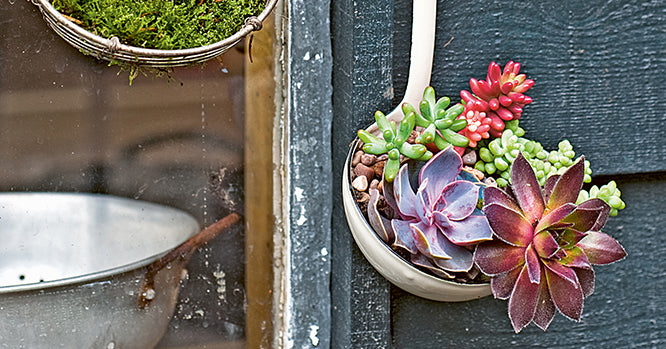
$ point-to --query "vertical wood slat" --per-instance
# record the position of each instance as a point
(362, 70)
(259, 113)
(306, 190)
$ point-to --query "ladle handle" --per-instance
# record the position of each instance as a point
(183, 252)
(421, 56)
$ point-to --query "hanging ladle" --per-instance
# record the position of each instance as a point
(421, 56)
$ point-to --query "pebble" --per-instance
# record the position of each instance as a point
(490, 181)
(469, 158)
(362, 170)
(368, 159)
(360, 183)
(476, 173)
(379, 169)
(375, 184)
(357, 157)
(364, 198)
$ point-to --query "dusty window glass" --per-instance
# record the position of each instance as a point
(70, 123)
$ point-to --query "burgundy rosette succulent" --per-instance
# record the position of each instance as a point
(438, 223)
(545, 245)
(501, 97)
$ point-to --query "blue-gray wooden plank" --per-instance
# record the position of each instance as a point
(362, 43)
(599, 68)
(309, 174)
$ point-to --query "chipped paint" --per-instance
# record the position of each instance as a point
(298, 193)
(314, 329)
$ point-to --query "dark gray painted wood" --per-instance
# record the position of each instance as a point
(309, 176)
(598, 67)
(362, 79)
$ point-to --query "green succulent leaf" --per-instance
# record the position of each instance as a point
(440, 142)
(442, 103)
(413, 151)
(458, 125)
(455, 111)
(375, 148)
(391, 169)
(405, 128)
(443, 124)
(455, 138)
(428, 135)
(384, 125)
(426, 156)
(368, 137)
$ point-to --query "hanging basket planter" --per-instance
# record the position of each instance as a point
(113, 50)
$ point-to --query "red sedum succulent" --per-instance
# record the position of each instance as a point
(478, 125)
(544, 248)
(501, 96)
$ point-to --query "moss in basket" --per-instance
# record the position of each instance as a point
(161, 24)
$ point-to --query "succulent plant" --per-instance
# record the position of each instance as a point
(501, 96)
(496, 157)
(438, 222)
(440, 124)
(478, 125)
(608, 192)
(394, 142)
(541, 259)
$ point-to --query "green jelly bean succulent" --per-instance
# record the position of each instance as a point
(440, 124)
(394, 142)
(608, 192)
(498, 155)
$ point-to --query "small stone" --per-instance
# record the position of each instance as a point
(382, 157)
(375, 184)
(357, 157)
(362, 170)
(368, 159)
(379, 168)
(360, 183)
(490, 181)
(469, 158)
(413, 135)
(363, 198)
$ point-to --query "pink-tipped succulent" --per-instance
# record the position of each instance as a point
(438, 223)
(478, 125)
(501, 96)
(545, 245)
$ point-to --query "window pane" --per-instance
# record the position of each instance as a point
(70, 123)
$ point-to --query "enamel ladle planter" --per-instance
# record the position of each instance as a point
(388, 263)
